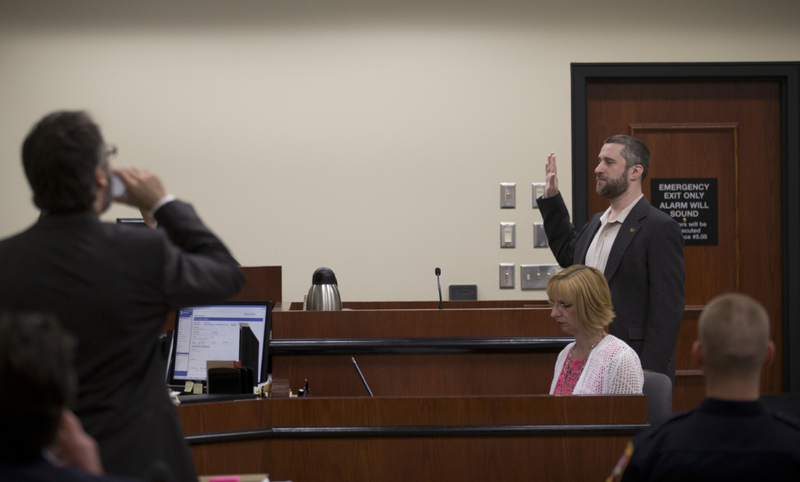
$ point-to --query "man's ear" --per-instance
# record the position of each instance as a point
(697, 354)
(635, 172)
(770, 354)
(101, 178)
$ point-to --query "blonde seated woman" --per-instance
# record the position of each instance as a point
(595, 363)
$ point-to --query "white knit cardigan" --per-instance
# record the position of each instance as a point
(612, 368)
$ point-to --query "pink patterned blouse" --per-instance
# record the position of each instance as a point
(564, 386)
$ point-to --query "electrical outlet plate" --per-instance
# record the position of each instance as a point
(536, 276)
(508, 235)
(538, 190)
(507, 276)
(508, 195)
(539, 236)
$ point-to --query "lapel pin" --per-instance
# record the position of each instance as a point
(633, 229)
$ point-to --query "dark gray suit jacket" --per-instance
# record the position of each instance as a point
(645, 272)
(112, 286)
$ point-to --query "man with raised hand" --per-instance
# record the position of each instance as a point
(638, 248)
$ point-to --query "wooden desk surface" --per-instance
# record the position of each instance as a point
(463, 373)
(449, 371)
(410, 438)
(411, 411)
(460, 322)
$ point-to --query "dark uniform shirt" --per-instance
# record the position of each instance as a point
(717, 440)
(42, 470)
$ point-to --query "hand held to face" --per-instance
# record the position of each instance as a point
(144, 189)
(75, 448)
(551, 178)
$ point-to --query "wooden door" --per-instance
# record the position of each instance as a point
(724, 129)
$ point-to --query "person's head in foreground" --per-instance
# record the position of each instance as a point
(731, 434)
(596, 363)
(733, 346)
(37, 385)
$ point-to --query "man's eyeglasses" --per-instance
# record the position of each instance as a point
(560, 305)
(111, 151)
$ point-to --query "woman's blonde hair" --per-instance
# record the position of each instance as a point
(587, 288)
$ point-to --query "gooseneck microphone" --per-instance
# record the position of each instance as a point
(438, 272)
(361, 376)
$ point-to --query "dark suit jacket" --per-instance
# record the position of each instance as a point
(112, 286)
(645, 272)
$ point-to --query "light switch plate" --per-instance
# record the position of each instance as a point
(507, 275)
(508, 195)
(508, 235)
(539, 236)
(536, 276)
(538, 190)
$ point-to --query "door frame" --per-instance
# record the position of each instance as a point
(788, 74)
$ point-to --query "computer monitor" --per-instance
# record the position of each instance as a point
(213, 332)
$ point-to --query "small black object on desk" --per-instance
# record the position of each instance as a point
(304, 392)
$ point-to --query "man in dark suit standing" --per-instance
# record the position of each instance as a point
(112, 287)
(638, 248)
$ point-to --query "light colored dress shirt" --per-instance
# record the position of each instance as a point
(164, 200)
(597, 254)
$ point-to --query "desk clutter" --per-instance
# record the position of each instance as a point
(226, 380)
(225, 389)
(279, 388)
(235, 478)
(223, 378)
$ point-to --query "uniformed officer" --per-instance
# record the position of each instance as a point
(731, 435)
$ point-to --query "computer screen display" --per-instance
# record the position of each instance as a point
(212, 332)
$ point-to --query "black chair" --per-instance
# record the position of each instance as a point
(658, 390)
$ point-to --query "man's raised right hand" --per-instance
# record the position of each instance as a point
(551, 178)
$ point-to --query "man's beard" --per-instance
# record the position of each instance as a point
(613, 188)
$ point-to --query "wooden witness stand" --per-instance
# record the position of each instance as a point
(414, 438)
(459, 394)
(414, 349)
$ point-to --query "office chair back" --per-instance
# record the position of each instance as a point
(658, 389)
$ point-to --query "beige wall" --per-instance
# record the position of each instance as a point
(370, 139)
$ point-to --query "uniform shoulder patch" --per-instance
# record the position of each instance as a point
(622, 464)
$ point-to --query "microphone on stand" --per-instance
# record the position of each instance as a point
(438, 272)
